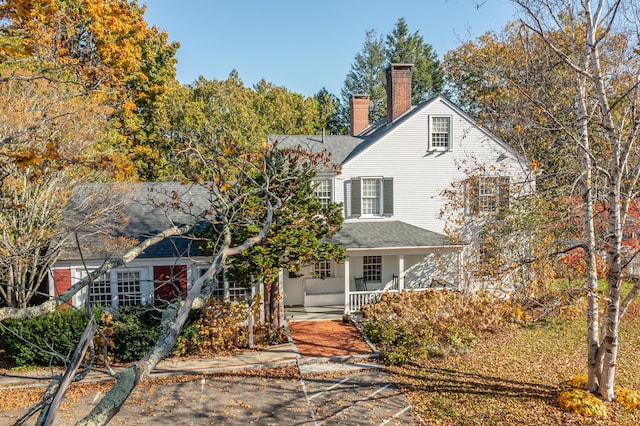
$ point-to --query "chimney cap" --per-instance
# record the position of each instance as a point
(400, 65)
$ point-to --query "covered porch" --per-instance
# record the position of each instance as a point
(382, 256)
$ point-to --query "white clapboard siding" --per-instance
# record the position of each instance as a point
(419, 175)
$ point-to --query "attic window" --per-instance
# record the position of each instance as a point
(440, 133)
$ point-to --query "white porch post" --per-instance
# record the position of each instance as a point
(346, 285)
(458, 272)
(400, 272)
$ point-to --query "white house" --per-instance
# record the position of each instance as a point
(391, 182)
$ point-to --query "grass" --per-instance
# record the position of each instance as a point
(514, 376)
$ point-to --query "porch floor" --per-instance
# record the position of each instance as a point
(310, 313)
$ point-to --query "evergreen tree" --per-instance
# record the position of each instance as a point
(367, 77)
(329, 113)
(367, 74)
(404, 47)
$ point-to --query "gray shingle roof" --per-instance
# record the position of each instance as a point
(387, 234)
(344, 148)
(339, 146)
(146, 209)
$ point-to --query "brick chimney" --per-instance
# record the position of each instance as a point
(359, 106)
(398, 90)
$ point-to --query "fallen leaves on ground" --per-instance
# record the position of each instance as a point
(515, 376)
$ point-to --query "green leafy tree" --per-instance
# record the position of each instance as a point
(296, 238)
(280, 111)
(223, 111)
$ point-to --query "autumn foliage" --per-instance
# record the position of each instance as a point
(433, 323)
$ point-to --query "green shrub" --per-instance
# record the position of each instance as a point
(133, 332)
(57, 331)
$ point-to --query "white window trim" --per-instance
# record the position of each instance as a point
(481, 198)
(146, 286)
(330, 269)
(430, 134)
(318, 181)
(380, 180)
(381, 266)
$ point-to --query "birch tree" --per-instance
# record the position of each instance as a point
(605, 96)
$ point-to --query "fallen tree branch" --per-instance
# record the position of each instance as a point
(173, 319)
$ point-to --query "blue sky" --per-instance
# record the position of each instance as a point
(307, 45)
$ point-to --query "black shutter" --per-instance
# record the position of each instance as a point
(503, 192)
(473, 195)
(356, 202)
(387, 197)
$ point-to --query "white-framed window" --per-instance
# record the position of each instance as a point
(128, 288)
(218, 289)
(100, 293)
(372, 268)
(323, 191)
(440, 133)
(486, 194)
(235, 293)
(371, 196)
(323, 269)
(121, 287)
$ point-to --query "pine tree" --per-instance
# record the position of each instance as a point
(367, 74)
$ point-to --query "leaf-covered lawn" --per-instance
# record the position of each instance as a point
(514, 376)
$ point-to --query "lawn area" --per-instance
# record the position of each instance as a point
(514, 376)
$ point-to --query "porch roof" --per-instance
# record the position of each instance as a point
(388, 234)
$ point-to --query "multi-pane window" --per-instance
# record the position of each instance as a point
(100, 293)
(234, 293)
(218, 289)
(372, 268)
(440, 132)
(323, 191)
(322, 269)
(115, 289)
(371, 196)
(486, 194)
(129, 291)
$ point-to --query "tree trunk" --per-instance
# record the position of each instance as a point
(591, 272)
(614, 281)
(274, 304)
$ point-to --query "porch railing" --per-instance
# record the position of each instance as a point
(358, 299)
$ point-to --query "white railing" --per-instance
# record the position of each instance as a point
(358, 299)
